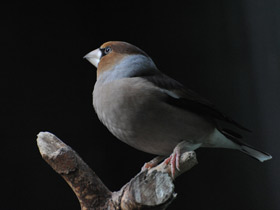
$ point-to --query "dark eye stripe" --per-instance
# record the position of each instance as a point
(102, 51)
(105, 51)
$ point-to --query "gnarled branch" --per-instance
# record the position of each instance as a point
(150, 189)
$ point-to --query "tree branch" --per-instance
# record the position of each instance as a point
(150, 189)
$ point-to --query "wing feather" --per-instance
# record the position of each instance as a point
(187, 99)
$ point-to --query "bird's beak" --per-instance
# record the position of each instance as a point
(94, 57)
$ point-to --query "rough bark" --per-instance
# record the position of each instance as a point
(150, 189)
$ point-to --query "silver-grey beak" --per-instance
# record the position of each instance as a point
(94, 57)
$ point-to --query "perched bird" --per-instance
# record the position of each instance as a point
(154, 113)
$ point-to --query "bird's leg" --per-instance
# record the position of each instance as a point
(154, 162)
(174, 158)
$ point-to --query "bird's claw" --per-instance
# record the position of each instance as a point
(174, 161)
(154, 162)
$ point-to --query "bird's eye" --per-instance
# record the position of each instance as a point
(107, 50)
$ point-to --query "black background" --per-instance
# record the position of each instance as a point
(228, 51)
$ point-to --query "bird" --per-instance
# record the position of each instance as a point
(150, 111)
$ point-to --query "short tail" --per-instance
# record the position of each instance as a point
(247, 149)
(254, 153)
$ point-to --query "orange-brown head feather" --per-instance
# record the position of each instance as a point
(119, 51)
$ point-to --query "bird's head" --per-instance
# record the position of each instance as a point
(118, 59)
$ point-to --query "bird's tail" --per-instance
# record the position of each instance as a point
(245, 148)
(255, 153)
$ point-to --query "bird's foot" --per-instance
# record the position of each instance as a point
(154, 162)
(174, 158)
(174, 161)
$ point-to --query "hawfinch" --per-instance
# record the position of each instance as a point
(154, 113)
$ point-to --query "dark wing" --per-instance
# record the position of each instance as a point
(187, 99)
